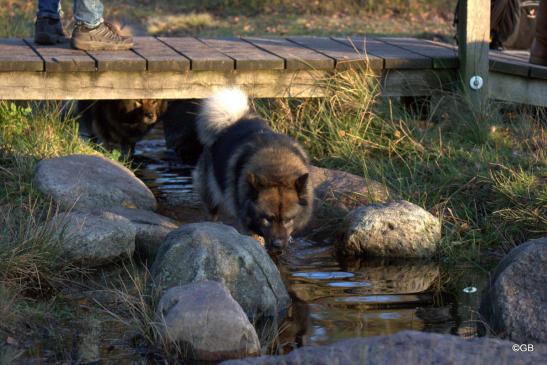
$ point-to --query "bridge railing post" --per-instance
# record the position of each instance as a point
(473, 39)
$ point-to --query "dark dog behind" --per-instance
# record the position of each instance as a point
(119, 123)
(179, 126)
(258, 176)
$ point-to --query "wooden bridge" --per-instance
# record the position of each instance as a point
(270, 67)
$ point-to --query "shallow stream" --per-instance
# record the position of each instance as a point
(336, 298)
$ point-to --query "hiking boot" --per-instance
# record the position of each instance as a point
(538, 52)
(48, 31)
(105, 36)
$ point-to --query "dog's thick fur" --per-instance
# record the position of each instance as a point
(119, 123)
(258, 176)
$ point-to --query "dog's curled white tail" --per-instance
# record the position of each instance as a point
(222, 109)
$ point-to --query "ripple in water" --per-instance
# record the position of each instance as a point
(317, 275)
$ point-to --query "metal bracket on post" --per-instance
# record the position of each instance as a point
(476, 82)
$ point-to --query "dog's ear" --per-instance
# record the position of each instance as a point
(301, 183)
(127, 106)
(256, 183)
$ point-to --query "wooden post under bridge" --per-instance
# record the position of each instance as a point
(474, 39)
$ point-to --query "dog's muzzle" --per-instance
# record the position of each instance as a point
(279, 243)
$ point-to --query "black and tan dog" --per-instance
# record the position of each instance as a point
(119, 123)
(259, 177)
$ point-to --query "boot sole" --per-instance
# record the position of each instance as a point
(48, 39)
(99, 46)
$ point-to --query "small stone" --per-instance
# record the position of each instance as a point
(151, 229)
(94, 239)
(515, 304)
(86, 183)
(396, 229)
(206, 322)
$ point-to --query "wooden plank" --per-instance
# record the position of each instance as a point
(520, 55)
(504, 62)
(16, 55)
(296, 57)
(442, 57)
(158, 85)
(518, 89)
(516, 62)
(345, 57)
(394, 57)
(501, 62)
(118, 61)
(62, 58)
(198, 84)
(536, 71)
(474, 35)
(246, 56)
(159, 56)
(201, 56)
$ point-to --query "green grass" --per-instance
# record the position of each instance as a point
(484, 177)
(32, 271)
(27, 246)
(279, 18)
(423, 18)
(16, 18)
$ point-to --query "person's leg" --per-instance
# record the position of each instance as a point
(49, 9)
(48, 28)
(538, 52)
(92, 33)
(88, 12)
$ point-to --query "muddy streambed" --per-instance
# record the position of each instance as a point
(333, 297)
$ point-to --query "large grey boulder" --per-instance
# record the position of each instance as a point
(515, 304)
(86, 183)
(94, 239)
(206, 323)
(396, 229)
(406, 348)
(151, 229)
(212, 251)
